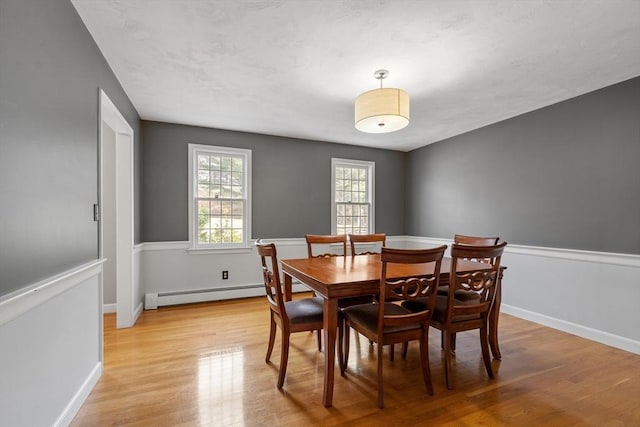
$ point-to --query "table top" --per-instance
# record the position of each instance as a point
(338, 277)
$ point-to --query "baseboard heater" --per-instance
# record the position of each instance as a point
(153, 300)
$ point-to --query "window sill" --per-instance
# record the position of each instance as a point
(219, 251)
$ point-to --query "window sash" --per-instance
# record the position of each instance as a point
(220, 194)
(352, 188)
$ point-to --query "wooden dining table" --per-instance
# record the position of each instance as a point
(349, 276)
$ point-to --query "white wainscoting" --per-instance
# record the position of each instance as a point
(590, 294)
(174, 274)
(51, 348)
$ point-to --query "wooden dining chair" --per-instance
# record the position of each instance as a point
(291, 316)
(462, 294)
(356, 240)
(453, 315)
(387, 322)
(323, 241)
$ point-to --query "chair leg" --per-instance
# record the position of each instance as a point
(284, 357)
(347, 339)
(447, 359)
(424, 357)
(319, 340)
(380, 384)
(486, 356)
(405, 348)
(341, 345)
(272, 338)
(453, 342)
(392, 352)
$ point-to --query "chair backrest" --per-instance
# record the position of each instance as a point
(477, 241)
(271, 277)
(409, 288)
(354, 239)
(482, 282)
(315, 239)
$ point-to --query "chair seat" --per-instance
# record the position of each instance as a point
(305, 310)
(367, 316)
(440, 310)
(348, 302)
(460, 294)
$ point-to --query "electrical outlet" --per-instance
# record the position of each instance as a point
(225, 274)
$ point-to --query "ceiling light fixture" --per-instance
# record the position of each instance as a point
(382, 110)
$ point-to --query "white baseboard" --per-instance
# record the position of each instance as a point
(574, 329)
(79, 398)
(109, 308)
(137, 312)
(155, 300)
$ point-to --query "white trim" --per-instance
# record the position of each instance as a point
(610, 258)
(205, 295)
(371, 166)
(18, 303)
(247, 184)
(109, 308)
(111, 116)
(573, 328)
(80, 397)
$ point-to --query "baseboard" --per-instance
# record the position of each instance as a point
(109, 308)
(155, 300)
(79, 398)
(137, 312)
(574, 329)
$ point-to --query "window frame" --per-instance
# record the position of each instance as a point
(194, 150)
(371, 168)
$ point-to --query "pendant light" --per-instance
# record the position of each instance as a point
(382, 110)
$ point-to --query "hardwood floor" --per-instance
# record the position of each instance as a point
(203, 365)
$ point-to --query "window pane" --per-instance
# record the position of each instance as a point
(236, 164)
(214, 163)
(203, 162)
(225, 164)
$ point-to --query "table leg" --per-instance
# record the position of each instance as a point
(330, 326)
(287, 287)
(493, 320)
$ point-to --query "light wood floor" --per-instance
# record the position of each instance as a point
(203, 365)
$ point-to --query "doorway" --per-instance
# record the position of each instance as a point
(116, 211)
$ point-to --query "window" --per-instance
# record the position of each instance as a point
(219, 197)
(352, 192)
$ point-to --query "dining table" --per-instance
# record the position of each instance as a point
(333, 278)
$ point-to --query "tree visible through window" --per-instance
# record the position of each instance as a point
(220, 196)
(352, 196)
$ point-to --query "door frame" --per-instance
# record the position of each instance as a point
(125, 295)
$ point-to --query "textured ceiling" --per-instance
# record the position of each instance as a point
(294, 68)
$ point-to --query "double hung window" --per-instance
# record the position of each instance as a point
(220, 197)
(352, 196)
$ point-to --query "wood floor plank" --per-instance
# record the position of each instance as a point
(203, 365)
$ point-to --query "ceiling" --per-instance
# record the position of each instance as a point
(294, 68)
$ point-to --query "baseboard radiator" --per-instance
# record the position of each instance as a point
(153, 300)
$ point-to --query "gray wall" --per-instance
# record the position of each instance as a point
(565, 176)
(50, 72)
(291, 182)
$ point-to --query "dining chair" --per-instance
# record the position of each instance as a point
(462, 294)
(322, 241)
(452, 315)
(387, 322)
(291, 316)
(356, 240)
